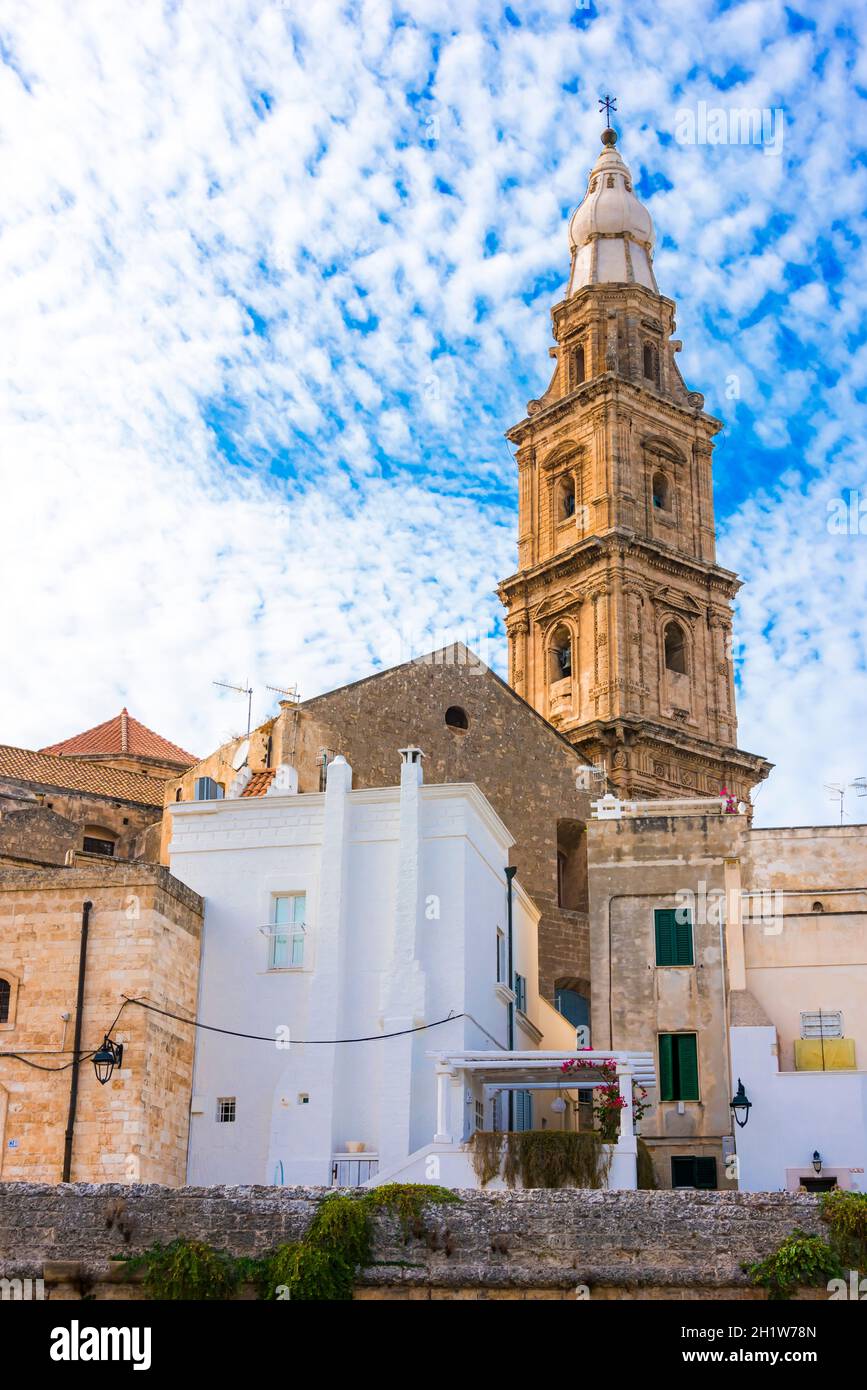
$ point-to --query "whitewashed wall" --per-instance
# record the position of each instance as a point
(405, 891)
(795, 1114)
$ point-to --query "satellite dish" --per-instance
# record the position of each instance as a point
(241, 755)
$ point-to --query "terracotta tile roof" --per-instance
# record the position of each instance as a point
(259, 783)
(123, 734)
(73, 774)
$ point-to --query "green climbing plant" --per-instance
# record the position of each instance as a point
(323, 1266)
(187, 1270)
(408, 1201)
(320, 1267)
(845, 1213)
(802, 1261)
(809, 1261)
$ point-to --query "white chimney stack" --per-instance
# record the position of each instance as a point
(411, 771)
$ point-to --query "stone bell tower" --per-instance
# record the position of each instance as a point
(619, 619)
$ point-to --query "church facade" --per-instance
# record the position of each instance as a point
(619, 618)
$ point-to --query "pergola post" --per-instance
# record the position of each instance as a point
(623, 1173)
(624, 1080)
(444, 1077)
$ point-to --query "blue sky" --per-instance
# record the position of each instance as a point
(275, 279)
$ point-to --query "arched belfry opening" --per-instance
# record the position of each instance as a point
(651, 363)
(560, 654)
(661, 492)
(566, 498)
(674, 646)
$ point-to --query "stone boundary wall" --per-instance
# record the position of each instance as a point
(528, 1243)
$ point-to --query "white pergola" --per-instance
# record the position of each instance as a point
(541, 1071)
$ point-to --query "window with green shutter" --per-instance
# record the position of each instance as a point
(694, 1172)
(678, 1066)
(673, 927)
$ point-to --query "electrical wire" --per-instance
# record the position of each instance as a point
(21, 1057)
(296, 1042)
(82, 1057)
(252, 1037)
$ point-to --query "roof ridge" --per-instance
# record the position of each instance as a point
(123, 733)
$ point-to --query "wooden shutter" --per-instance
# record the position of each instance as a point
(673, 937)
(683, 938)
(692, 1171)
(705, 1173)
(683, 1172)
(687, 1066)
(666, 1067)
(665, 937)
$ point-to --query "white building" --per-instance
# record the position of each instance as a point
(804, 1128)
(353, 915)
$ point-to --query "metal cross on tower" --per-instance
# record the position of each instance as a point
(608, 104)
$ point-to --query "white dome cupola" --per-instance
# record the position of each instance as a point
(611, 232)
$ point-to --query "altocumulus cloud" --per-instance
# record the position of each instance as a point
(275, 278)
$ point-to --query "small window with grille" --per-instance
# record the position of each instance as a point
(226, 1110)
(95, 845)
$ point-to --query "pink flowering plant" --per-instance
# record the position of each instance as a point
(607, 1100)
(731, 805)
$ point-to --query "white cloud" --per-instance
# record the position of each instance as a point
(258, 360)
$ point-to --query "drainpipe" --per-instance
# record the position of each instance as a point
(76, 1046)
(510, 1036)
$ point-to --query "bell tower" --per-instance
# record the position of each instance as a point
(619, 618)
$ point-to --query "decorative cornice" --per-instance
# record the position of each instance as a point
(620, 541)
(609, 385)
(647, 733)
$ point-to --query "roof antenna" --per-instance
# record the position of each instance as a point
(837, 791)
(292, 693)
(242, 690)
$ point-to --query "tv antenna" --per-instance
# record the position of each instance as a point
(291, 694)
(241, 690)
(837, 791)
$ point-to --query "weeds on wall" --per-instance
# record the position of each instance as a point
(846, 1215)
(804, 1261)
(322, 1267)
(188, 1270)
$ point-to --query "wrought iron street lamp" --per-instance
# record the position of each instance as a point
(740, 1104)
(109, 1056)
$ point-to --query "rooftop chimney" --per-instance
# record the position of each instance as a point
(411, 768)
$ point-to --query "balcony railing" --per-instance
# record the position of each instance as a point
(351, 1170)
